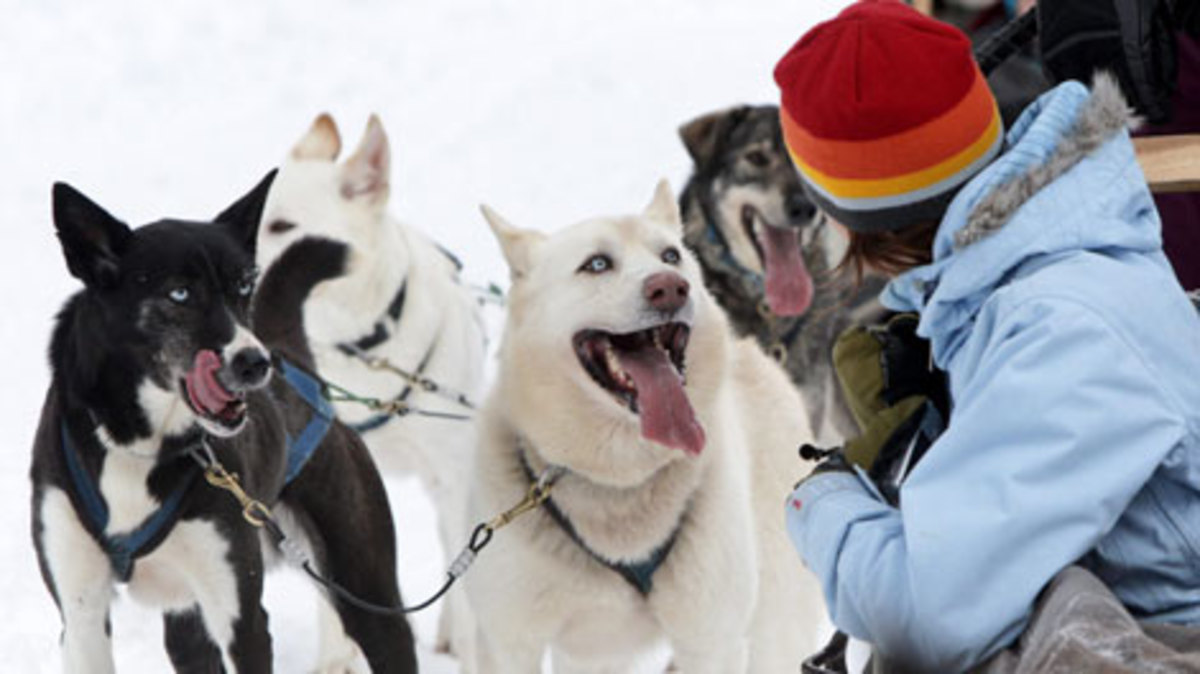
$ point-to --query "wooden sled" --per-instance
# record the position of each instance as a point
(1171, 163)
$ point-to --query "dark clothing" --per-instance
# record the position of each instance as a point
(1180, 213)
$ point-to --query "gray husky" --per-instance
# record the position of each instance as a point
(768, 255)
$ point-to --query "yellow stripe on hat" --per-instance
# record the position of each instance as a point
(846, 188)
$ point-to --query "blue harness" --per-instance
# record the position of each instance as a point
(312, 390)
(125, 548)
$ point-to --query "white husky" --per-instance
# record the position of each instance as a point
(400, 299)
(676, 446)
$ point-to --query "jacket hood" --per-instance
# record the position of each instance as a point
(1069, 181)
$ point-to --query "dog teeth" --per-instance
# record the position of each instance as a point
(618, 373)
(611, 360)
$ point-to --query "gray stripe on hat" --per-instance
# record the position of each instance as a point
(885, 219)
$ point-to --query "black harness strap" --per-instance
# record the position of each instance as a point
(638, 574)
(380, 333)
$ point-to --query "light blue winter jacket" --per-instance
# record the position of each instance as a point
(1074, 365)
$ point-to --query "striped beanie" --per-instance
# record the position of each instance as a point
(885, 115)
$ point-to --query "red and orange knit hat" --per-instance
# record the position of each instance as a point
(886, 115)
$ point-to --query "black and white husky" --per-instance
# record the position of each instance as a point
(768, 256)
(153, 368)
(400, 299)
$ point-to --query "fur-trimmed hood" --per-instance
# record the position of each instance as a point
(1068, 181)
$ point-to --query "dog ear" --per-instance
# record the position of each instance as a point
(702, 136)
(663, 208)
(322, 142)
(242, 218)
(366, 172)
(92, 240)
(518, 245)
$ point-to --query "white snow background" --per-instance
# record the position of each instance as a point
(549, 110)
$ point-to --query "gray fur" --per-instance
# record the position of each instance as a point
(1105, 113)
(718, 143)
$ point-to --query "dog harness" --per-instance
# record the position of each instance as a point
(312, 391)
(638, 574)
(379, 335)
(125, 548)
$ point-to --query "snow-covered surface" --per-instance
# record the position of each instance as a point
(551, 111)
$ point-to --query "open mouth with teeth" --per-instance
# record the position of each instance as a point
(644, 372)
(789, 286)
(207, 397)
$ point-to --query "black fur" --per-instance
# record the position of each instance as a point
(124, 329)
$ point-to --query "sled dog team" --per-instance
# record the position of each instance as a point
(224, 343)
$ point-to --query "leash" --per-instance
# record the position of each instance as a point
(416, 379)
(258, 515)
(488, 294)
(396, 406)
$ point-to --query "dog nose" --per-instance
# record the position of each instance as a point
(799, 208)
(666, 291)
(250, 366)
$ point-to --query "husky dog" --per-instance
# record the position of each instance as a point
(768, 255)
(153, 362)
(674, 442)
(400, 299)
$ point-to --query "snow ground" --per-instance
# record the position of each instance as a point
(551, 111)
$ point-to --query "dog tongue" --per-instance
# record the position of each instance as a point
(789, 286)
(667, 415)
(207, 393)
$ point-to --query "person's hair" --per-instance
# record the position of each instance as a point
(890, 252)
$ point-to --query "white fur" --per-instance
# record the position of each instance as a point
(242, 339)
(732, 595)
(84, 585)
(347, 202)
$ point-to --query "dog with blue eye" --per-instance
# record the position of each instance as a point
(157, 373)
(667, 443)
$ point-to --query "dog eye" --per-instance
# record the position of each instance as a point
(671, 255)
(758, 158)
(597, 264)
(179, 295)
(245, 287)
(281, 226)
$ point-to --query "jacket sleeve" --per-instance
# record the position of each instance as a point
(1054, 432)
